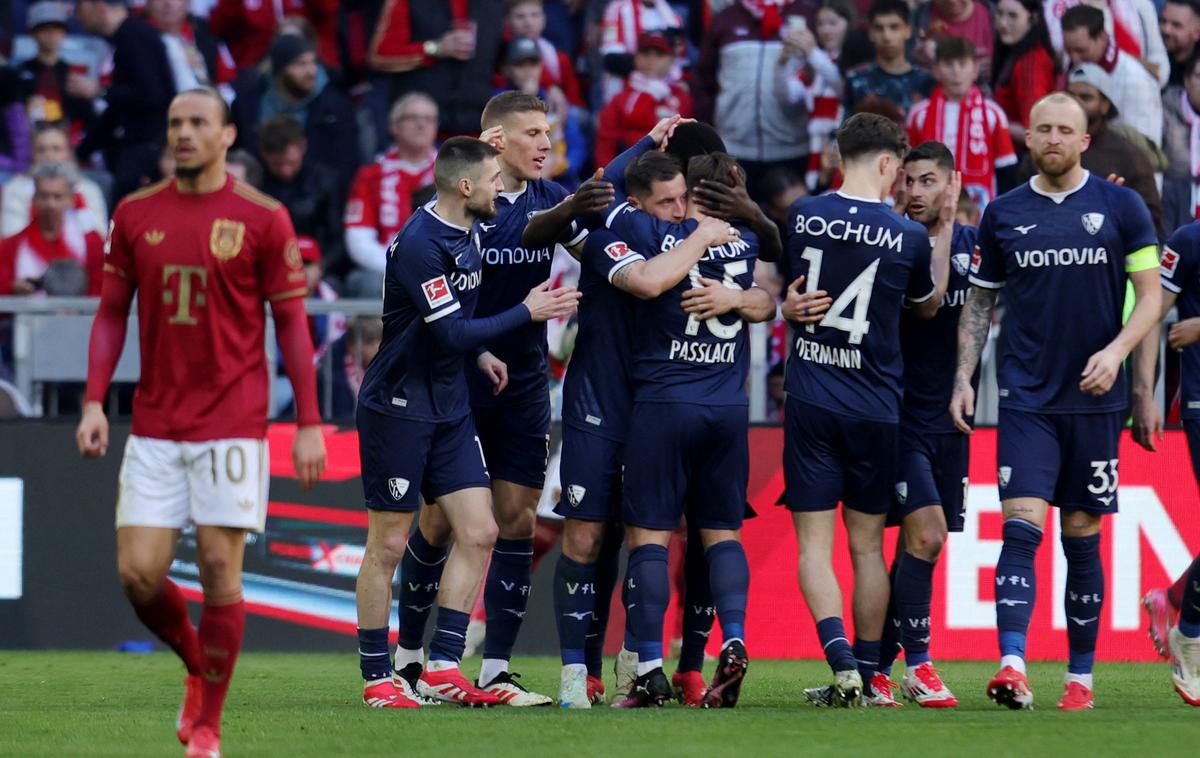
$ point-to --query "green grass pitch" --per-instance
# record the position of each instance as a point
(82, 704)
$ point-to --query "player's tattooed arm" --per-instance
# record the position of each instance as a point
(973, 326)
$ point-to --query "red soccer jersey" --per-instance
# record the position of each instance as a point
(381, 196)
(203, 265)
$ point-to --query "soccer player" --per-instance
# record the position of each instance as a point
(1062, 247)
(931, 488)
(688, 427)
(1184, 640)
(844, 385)
(417, 436)
(512, 416)
(203, 251)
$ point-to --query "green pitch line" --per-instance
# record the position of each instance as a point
(69, 704)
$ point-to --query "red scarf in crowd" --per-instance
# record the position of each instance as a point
(769, 15)
(971, 153)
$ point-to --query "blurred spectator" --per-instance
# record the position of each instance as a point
(1135, 91)
(624, 23)
(248, 26)
(970, 124)
(296, 86)
(1109, 152)
(1025, 67)
(969, 19)
(812, 75)
(50, 145)
(197, 57)
(133, 123)
(1132, 25)
(53, 235)
(44, 76)
(522, 71)
(380, 200)
(353, 353)
(14, 125)
(1181, 142)
(967, 212)
(736, 86)
(244, 167)
(1180, 32)
(891, 78)
(527, 18)
(648, 97)
(781, 188)
(309, 189)
(447, 49)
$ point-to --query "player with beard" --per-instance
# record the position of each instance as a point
(931, 489)
(416, 434)
(1063, 247)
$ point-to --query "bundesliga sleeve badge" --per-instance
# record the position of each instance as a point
(1168, 262)
(616, 250)
(437, 291)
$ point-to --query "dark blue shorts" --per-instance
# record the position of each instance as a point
(1192, 430)
(590, 474)
(933, 471)
(516, 441)
(404, 461)
(829, 457)
(1069, 460)
(677, 453)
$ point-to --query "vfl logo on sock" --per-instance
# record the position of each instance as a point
(588, 588)
(575, 495)
(398, 487)
(1005, 473)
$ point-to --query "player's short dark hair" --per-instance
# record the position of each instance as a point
(457, 158)
(1084, 17)
(648, 168)
(889, 8)
(715, 167)
(953, 49)
(254, 169)
(226, 113)
(932, 151)
(506, 104)
(868, 133)
(278, 133)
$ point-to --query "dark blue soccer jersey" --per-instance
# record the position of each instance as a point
(433, 272)
(1180, 272)
(509, 272)
(930, 346)
(1061, 262)
(870, 261)
(598, 390)
(676, 357)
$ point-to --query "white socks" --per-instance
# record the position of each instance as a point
(1015, 661)
(491, 668)
(648, 666)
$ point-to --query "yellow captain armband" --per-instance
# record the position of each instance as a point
(1142, 260)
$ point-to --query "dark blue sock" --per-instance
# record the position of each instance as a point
(630, 641)
(1083, 600)
(698, 608)
(373, 658)
(450, 635)
(608, 571)
(729, 576)
(839, 654)
(866, 658)
(1016, 584)
(649, 593)
(913, 591)
(574, 604)
(420, 576)
(889, 645)
(1189, 606)
(506, 596)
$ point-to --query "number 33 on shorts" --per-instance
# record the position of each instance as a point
(1104, 480)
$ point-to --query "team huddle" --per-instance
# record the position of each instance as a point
(890, 309)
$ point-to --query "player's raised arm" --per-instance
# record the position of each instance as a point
(646, 279)
(555, 225)
(939, 263)
(733, 202)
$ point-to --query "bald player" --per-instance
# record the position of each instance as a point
(1062, 246)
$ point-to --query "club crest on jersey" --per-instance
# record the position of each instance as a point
(154, 236)
(437, 291)
(616, 250)
(976, 260)
(902, 492)
(1168, 262)
(397, 487)
(960, 261)
(291, 255)
(1005, 474)
(575, 495)
(1092, 222)
(225, 239)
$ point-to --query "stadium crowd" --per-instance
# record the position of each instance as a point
(340, 107)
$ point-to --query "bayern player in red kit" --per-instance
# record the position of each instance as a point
(203, 251)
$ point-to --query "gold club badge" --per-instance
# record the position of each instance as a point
(154, 236)
(226, 238)
(291, 255)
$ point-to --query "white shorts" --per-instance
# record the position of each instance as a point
(171, 484)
